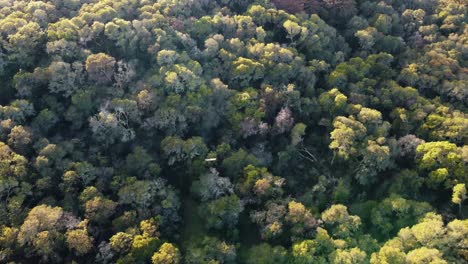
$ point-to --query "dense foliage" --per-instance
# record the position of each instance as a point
(233, 131)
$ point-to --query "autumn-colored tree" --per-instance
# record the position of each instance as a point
(100, 68)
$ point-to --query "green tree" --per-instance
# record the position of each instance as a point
(339, 10)
(13, 171)
(396, 212)
(178, 150)
(267, 254)
(246, 70)
(235, 163)
(305, 252)
(211, 250)
(65, 77)
(223, 212)
(292, 28)
(211, 186)
(108, 127)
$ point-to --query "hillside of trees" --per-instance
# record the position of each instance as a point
(234, 131)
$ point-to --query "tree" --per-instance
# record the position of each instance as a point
(13, 170)
(248, 131)
(301, 219)
(284, 120)
(343, 225)
(424, 255)
(297, 133)
(99, 209)
(143, 247)
(264, 253)
(110, 127)
(269, 186)
(407, 145)
(371, 118)
(211, 249)
(124, 35)
(426, 241)
(65, 77)
(169, 120)
(18, 111)
(20, 138)
(246, 70)
(211, 186)
(41, 231)
(412, 19)
(271, 219)
(444, 162)
(383, 23)
(339, 10)
(446, 124)
(100, 68)
(23, 42)
(79, 240)
(421, 231)
(348, 256)
(167, 57)
(151, 198)
(8, 237)
(394, 213)
(140, 245)
(82, 106)
(45, 121)
(367, 37)
(84, 172)
(406, 183)
(453, 244)
(292, 28)
(167, 254)
(387, 255)
(182, 78)
(375, 158)
(121, 242)
(459, 195)
(333, 102)
(290, 6)
(178, 150)
(345, 135)
(305, 252)
(237, 161)
(261, 182)
(223, 212)
(140, 161)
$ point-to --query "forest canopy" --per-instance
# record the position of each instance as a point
(234, 131)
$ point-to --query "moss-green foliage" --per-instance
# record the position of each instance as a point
(233, 131)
